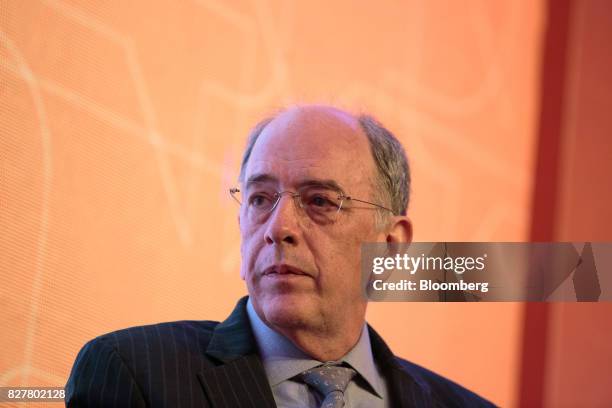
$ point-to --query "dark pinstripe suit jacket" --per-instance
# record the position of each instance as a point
(211, 364)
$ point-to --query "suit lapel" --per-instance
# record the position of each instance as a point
(240, 379)
(406, 389)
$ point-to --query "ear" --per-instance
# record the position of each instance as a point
(399, 230)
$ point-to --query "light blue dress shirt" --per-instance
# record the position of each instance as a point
(282, 361)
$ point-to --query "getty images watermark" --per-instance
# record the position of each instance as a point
(487, 271)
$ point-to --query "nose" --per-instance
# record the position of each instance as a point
(283, 226)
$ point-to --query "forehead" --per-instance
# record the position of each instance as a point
(313, 143)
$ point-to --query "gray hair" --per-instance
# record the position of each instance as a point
(393, 172)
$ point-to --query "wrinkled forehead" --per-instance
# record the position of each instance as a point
(311, 144)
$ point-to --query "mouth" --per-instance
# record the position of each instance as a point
(284, 270)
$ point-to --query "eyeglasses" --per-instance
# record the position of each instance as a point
(321, 204)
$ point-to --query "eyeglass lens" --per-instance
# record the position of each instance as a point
(320, 204)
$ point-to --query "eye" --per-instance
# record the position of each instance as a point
(321, 201)
(260, 200)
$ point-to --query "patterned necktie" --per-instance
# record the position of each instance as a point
(330, 381)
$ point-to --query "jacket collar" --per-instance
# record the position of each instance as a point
(406, 387)
(233, 338)
(240, 379)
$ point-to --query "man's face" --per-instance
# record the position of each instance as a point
(302, 272)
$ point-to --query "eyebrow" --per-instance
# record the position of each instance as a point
(261, 178)
(311, 182)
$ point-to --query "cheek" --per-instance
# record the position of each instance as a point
(344, 253)
(248, 251)
(338, 259)
(243, 257)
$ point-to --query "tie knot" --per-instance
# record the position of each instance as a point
(328, 378)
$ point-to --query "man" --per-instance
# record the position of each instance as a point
(316, 183)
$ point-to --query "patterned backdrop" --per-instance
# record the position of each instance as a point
(122, 126)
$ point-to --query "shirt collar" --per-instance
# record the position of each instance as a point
(282, 360)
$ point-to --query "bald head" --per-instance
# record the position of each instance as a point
(330, 122)
(390, 174)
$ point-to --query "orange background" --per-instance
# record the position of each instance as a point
(122, 126)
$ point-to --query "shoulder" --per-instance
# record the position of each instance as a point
(444, 391)
(124, 365)
(142, 348)
(178, 334)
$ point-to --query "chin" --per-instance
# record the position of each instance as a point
(289, 310)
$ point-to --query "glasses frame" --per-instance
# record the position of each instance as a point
(279, 194)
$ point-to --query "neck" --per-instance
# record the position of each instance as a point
(323, 334)
(324, 346)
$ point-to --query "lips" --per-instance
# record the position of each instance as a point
(284, 269)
